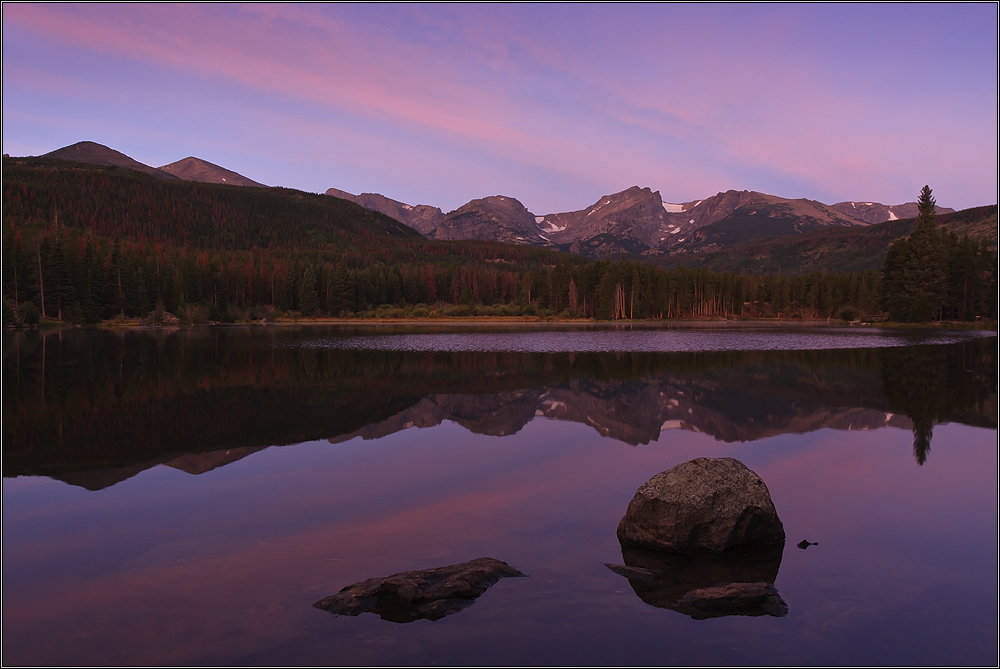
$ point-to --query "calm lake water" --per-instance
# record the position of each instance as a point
(185, 497)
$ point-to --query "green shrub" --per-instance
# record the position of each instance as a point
(510, 310)
(457, 310)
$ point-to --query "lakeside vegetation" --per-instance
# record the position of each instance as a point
(88, 244)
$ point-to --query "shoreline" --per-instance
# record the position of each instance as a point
(516, 321)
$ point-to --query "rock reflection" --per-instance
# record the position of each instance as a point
(735, 583)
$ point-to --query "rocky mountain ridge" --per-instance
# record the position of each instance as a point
(422, 217)
(636, 221)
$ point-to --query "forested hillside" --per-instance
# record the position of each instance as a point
(114, 201)
(84, 243)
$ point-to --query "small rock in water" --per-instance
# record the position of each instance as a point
(430, 594)
(804, 544)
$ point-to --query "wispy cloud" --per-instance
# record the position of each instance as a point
(553, 106)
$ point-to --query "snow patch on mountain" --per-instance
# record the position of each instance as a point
(549, 226)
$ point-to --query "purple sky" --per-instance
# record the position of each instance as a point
(554, 105)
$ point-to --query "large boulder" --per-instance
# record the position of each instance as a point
(429, 594)
(704, 506)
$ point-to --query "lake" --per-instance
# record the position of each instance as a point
(185, 497)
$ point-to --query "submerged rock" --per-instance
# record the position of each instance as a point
(805, 543)
(429, 594)
(706, 505)
(706, 585)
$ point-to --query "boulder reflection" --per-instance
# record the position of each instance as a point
(682, 582)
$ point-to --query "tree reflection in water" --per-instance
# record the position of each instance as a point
(936, 384)
(95, 407)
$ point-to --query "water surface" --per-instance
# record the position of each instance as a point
(185, 497)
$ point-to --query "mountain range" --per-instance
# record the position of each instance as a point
(633, 222)
(636, 221)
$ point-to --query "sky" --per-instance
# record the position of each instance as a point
(555, 105)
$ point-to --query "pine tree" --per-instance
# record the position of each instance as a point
(92, 297)
(915, 272)
(308, 298)
(926, 274)
(342, 291)
(61, 293)
(116, 297)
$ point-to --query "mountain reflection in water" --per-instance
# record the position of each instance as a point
(95, 407)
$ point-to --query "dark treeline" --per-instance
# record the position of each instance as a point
(84, 244)
(68, 274)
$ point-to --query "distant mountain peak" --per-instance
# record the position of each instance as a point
(93, 153)
(496, 218)
(196, 169)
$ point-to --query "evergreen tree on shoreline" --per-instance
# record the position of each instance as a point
(916, 269)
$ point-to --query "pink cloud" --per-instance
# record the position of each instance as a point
(688, 103)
